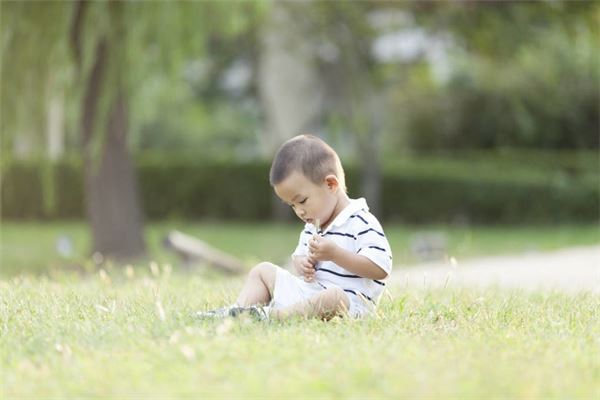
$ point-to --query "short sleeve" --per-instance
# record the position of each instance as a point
(373, 244)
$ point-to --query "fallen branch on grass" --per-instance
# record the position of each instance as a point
(193, 250)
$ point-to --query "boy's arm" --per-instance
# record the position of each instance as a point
(358, 264)
(323, 249)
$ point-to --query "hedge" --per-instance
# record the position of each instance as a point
(412, 192)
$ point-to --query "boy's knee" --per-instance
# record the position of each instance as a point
(262, 269)
(336, 297)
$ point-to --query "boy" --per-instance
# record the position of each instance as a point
(342, 255)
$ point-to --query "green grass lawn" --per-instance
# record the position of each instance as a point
(30, 247)
(113, 336)
(125, 333)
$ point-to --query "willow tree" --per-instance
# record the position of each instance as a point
(104, 50)
(112, 203)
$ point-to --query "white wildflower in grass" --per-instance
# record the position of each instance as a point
(154, 269)
(152, 285)
(188, 352)
(63, 349)
(160, 311)
(453, 262)
(167, 269)
(148, 283)
(175, 337)
(101, 308)
(104, 278)
(448, 278)
(129, 272)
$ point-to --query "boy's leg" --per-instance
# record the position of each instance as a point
(258, 288)
(326, 304)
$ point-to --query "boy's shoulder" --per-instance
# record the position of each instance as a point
(364, 215)
(362, 211)
(358, 217)
(364, 220)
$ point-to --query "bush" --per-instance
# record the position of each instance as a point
(545, 95)
(469, 187)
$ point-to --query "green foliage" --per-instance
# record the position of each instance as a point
(32, 33)
(111, 336)
(196, 189)
(523, 75)
(521, 187)
(42, 190)
(150, 45)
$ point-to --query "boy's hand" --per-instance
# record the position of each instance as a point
(322, 249)
(306, 268)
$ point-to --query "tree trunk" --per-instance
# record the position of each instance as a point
(111, 199)
(370, 152)
(370, 185)
(288, 82)
(111, 192)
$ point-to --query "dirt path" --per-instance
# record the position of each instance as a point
(570, 270)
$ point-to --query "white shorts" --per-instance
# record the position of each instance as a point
(290, 289)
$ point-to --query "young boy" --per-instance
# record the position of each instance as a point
(342, 255)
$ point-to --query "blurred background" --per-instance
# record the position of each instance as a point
(471, 127)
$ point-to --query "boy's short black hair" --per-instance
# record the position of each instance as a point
(309, 155)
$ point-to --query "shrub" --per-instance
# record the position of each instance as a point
(425, 189)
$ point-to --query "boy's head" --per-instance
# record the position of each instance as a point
(310, 156)
(307, 174)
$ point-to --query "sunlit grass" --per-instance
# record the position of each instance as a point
(123, 334)
(119, 331)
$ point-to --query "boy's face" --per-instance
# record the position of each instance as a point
(309, 201)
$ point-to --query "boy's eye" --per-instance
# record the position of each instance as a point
(303, 201)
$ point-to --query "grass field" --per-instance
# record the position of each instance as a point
(113, 336)
(31, 247)
(129, 333)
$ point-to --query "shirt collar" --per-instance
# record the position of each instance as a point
(354, 206)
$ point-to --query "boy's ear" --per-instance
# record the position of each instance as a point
(332, 182)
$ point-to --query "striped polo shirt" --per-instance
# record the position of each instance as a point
(354, 229)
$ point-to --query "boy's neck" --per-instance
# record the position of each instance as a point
(342, 202)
